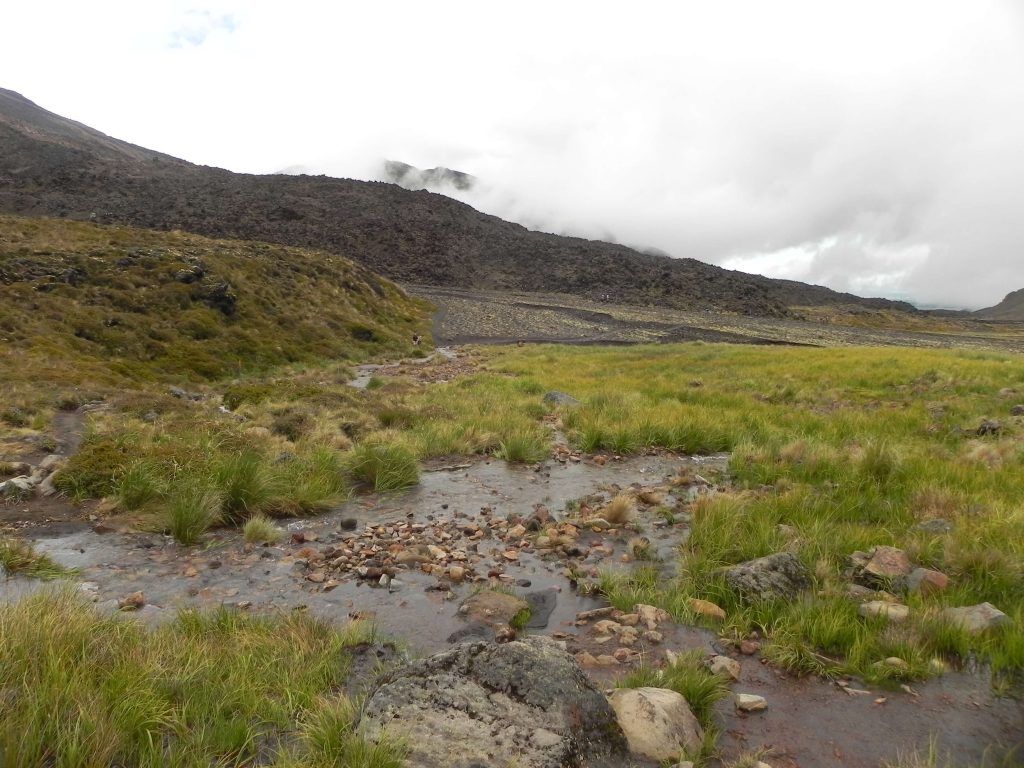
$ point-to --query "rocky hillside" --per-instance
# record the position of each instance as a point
(411, 177)
(52, 166)
(111, 304)
(1010, 308)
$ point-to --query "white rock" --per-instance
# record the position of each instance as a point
(657, 722)
(894, 612)
(723, 665)
(748, 702)
(650, 615)
(51, 462)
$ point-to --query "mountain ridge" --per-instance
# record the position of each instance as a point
(1011, 308)
(53, 166)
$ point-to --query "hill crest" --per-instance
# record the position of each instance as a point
(51, 166)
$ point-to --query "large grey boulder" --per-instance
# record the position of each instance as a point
(525, 703)
(778, 576)
(658, 722)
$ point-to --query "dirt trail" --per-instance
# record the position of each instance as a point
(67, 430)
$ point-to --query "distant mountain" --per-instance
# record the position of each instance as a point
(435, 179)
(52, 166)
(1010, 308)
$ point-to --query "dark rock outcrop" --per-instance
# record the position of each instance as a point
(481, 704)
(778, 576)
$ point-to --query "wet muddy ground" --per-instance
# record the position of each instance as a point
(809, 722)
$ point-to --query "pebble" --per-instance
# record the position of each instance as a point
(723, 665)
(132, 602)
(749, 702)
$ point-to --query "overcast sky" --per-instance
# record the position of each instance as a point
(874, 147)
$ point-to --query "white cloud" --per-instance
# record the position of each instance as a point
(738, 132)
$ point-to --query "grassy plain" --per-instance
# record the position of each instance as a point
(833, 451)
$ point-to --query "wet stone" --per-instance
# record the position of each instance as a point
(748, 702)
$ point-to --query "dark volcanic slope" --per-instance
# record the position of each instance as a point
(56, 167)
(1010, 308)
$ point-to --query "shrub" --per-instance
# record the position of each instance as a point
(290, 423)
(90, 473)
(237, 394)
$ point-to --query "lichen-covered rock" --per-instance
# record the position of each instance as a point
(778, 576)
(657, 722)
(560, 398)
(977, 618)
(526, 703)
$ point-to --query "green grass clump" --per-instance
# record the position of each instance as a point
(193, 507)
(139, 485)
(383, 466)
(522, 448)
(19, 557)
(260, 529)
(218, 688)
(247, 484)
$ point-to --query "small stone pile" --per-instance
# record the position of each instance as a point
(32, 479)
(476, 549)
(884, 570)
(627, 633)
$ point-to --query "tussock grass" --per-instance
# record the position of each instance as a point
(259, 529)
(834, 450)
(619, 510)
(19, 557)
(192, 508)
(220, 688)
(383, 466)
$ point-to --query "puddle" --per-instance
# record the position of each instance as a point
(225, 571)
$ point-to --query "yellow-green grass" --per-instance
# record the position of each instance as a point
(89, 310)
(19, 557)
(834, 450)
(220, 688)
(192, 475)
